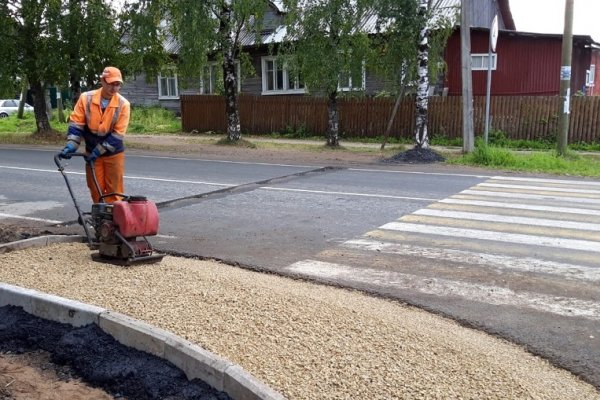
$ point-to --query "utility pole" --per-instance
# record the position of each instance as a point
(565, 80)
(467, 82)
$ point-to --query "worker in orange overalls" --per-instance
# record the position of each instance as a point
(100, 118)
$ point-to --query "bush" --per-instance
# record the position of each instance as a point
(498, 138)
(490, 156)
(443, 140)
(297, 132)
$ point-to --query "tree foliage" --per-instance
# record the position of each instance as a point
(416, 33)
(326, 40)
(9, 30)
(397, 40)
(54, 42)
(198, 31)
(51, 42)
(29, 33)
(92, 40)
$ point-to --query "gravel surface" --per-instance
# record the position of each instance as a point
(305, 340)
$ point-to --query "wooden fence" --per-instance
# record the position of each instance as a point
(525, 117)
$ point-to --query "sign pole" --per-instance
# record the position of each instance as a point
(565, 80)
(491, 48)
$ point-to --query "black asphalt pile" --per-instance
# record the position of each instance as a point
(416, 156)
(100, 360)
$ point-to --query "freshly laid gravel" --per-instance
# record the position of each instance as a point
(305, 340)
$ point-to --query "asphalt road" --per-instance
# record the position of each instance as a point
(513, 255)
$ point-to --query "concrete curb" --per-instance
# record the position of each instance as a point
(39, 241)
(192, 359)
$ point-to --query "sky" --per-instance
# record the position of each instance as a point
(548, 16)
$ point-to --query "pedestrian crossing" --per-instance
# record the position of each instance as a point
(524, 242)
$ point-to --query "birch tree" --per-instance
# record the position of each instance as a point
(437, 23)
(422, 95)
(326, 40)
(202, 29)
(411, 38)
(395, 43)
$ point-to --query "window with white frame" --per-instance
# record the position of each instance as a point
(276, 79)
(479, 62)
(212, 78)
(590, 76)
(350, 82)
(167, 85)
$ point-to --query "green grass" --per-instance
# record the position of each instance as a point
(585, 146)
(25, 126)
(531, 161)
(153, 120)
(22, 131)
(144, 120)
(500, 139)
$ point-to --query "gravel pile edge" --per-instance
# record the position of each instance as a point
(195, 362)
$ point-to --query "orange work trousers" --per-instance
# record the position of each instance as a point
(109, 173)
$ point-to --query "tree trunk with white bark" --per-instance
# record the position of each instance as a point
(422, 101)
(234, 132)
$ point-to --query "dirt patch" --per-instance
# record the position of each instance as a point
(94, 356)
(33, 376)
(288, 152)
(21, 229)
(11, 233)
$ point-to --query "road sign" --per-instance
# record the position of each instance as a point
(494, 33)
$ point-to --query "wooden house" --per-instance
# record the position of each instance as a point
(525, 64)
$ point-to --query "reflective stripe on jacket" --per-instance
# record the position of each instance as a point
(102, 130)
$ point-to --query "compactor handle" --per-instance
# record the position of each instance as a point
(61, 169)
(58, 158)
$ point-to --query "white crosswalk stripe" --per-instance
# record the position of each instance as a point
(495, 235)
(538, 188)
(507, 219)
(523, 242)
(499, 262)
(567, 210)
(442, 287)
(543, 196)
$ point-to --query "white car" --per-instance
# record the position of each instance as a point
(11, 106)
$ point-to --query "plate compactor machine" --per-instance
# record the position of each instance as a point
(120, 228)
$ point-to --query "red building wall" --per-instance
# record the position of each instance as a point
(595, 90)
(528, 64)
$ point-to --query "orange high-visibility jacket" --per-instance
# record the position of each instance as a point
(104, 130)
